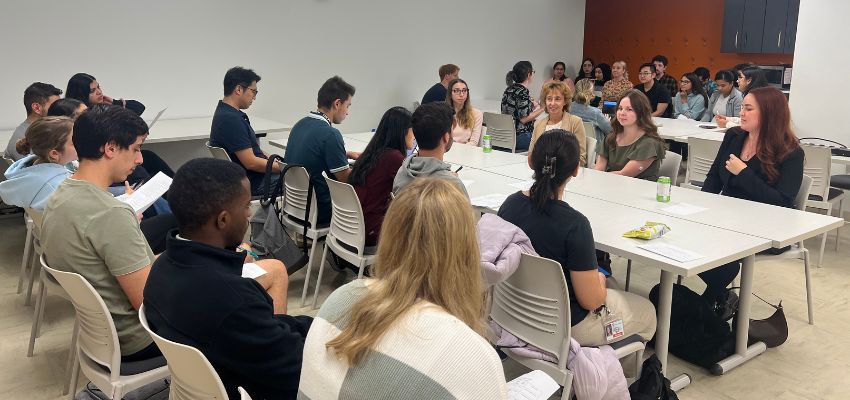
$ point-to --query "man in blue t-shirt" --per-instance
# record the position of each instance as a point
(439, 91)
(318, 146)
(231, 129)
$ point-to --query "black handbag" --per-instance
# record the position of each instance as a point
(772, 331)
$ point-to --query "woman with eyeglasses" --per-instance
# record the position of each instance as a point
(468, 120)
(586, 72)
(517, 102)
(85, 88)
(691, 100)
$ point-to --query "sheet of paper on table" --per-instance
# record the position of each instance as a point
(493, 201)
(683, 209)
(670, 251)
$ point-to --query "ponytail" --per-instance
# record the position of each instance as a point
(519, 73)
(510, 78)
(554, 158)
(22, 146)
(44, 135)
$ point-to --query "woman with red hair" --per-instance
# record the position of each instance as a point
(760, 160)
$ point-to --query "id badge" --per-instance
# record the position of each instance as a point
(612, 325)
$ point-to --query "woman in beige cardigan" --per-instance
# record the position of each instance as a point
(556, 97)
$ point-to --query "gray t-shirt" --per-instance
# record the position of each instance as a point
(19, 133)
(89, 232)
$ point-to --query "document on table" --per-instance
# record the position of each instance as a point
(493, 201)
(524, 185)
(159, 114)
(683, 209)
(148, 193)
(252, 271)
(535, 385)
(672, 252)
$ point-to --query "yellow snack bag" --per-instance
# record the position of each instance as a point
(648, 231)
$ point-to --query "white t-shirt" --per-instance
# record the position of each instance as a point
(720, 105)
(554, 126)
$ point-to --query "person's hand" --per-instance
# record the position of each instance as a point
(352, 154)
(735, 165)
(721, 121)
(107, 99)
(534, 104)
(127, 188)
(247, 249)
(455, 174)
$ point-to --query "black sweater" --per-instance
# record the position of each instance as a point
(751, 183)
(195, 295)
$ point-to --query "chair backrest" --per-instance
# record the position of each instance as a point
(347, 222)
(589, 129)
(218, 152)
(803, 194)
(590, 146)
(97, 339)
(501, 129)
(243, 395)
(670, 166)
(296, 185)
(701, 154)
(192, 375)
(818, 166)
(533, 304)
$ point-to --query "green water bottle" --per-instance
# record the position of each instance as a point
(486, 140)
(662, 193)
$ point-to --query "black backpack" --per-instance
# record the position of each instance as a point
(652, 385)
(697, 334)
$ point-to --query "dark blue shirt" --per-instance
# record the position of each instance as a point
(318, 146)
(435, 93)
(231, 130)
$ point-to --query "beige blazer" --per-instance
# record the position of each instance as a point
(569, 123)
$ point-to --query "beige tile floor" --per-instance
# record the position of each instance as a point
(813, 364)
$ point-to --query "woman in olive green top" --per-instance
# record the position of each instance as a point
(633, 148)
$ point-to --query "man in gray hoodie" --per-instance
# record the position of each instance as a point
(432, 126)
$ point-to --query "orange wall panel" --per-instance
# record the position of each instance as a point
(687, 32)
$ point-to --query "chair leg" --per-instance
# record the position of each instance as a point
(679, 280)
(628, 274)
(310, 261)
(638, 363)
(36, 318)
(808, 286)
(319, 278)
(838, 230)
(75, 377)
(72, 356)
(43, 289)
(35, 266)
(25, 259)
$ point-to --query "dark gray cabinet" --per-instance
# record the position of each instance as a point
(759, 26)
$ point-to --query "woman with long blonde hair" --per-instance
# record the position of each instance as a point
(468, 120)
(415, 329)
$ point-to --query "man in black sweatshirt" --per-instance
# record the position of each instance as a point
(196, 295)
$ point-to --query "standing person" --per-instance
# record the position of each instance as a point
(726, 100)
(415, 331)
(708, 85)
(517, 102)
(318, 146)
(374, 171)
(633, 148)
(557, 97)
(662, 76)
(580, 108)
(37, 100)
(231, 129)
(691, 100)
(243, 332)
(438, 91)
(619, 83)
(85, 88)
(559, 232)
(759, 161)
(468, 120)
(586, 70)
(657, 94)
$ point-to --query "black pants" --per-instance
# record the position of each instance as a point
(153, 164)
(718, 279)
(144, 354)
(156, 229)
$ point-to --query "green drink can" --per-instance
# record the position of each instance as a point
(486, 143)
(662, 193)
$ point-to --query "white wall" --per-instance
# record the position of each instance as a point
(820, 99)
(175, 53)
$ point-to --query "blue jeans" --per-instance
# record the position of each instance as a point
(523, 140)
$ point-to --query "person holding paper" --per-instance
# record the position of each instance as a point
(415, 330)
(561, 233)
(240, 328)
(759, 161)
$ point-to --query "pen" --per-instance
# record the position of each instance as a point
(458, 170)
(251, 253)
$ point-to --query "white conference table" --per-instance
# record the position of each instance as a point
(180, 129)
(679, 130)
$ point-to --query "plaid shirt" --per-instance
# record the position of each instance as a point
(670, 83)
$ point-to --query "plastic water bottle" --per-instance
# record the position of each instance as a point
(486, 140)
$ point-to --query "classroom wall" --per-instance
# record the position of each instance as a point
(687, 32)
(175, 53)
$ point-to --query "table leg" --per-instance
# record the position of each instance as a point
(743, 353)
(662, 332)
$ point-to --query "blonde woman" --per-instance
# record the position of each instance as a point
(468, 120)
(619, 83)
(415, 329)
(581, 109)
(556, 97)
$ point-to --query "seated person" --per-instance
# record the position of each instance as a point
(581, 108)
(468, 121)
(37, 100)
(559, 232)
(556, 97)
(709, 86)
(241, 330)
(373, 173)
(726, 100)
(415, 331)
(231, 128)
(67, 108)
(438, 91)
(659, 97)
(314, 142)
(633, 148)
(432, 126)
(690, 102)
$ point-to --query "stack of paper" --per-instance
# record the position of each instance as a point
(492, 201)
(535, 385)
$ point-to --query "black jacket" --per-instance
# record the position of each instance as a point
(195, 295)
(751, 183)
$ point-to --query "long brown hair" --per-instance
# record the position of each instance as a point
(464, 117)
(427, 251)
(776, 138)
(643, 110)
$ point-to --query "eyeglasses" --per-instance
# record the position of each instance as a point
(460, 91)
(251, 89)
(94, 89)
(645, 73)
